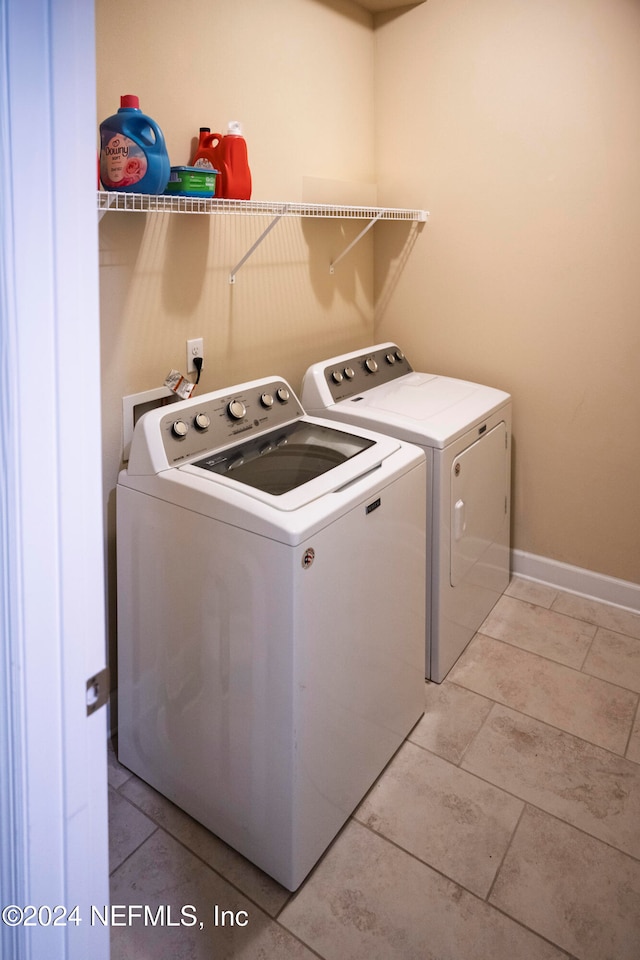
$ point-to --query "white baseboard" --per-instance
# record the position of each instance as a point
(586, 583)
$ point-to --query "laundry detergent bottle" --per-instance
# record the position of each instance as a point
(236, 175)
(208, 154)
(133, 155)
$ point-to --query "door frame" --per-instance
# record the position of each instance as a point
(53, 789)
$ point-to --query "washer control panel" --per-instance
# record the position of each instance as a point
(198, 425)
(356, 374)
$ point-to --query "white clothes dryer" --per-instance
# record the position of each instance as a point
(269, 655)
(465, 430)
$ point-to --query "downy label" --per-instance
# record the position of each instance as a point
(123, 162)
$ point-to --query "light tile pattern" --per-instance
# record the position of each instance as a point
(508, 825)
(570, 778)
(203, 916)
(457, 823)
(128, 828)
(452, 720)
(604, 905)
(542, 631)
(569, 699)
(633, 750)
(616, 658)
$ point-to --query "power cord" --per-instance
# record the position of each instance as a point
(197, 362)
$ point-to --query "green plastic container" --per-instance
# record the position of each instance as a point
(191, 182)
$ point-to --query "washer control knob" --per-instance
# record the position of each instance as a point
(371, 364)
(179, 429)
(391, 358)
(202, 421)
(282, 394)
(266, 399)
(399, 355)
(349, 373)
(336, 376)
(236, 409)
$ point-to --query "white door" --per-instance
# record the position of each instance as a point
(53, 815)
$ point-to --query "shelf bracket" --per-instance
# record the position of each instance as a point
(254, 247)
(337, 260)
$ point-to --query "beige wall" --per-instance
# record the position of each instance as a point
(517, 125)
(299, 75)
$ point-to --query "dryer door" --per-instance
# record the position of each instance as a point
(479, 507)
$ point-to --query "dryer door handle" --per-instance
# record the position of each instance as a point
(459, 521)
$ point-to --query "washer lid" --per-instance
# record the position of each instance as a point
(334, 461)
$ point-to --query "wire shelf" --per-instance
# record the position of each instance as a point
(152, 203)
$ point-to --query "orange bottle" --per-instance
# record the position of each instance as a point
(208, 154)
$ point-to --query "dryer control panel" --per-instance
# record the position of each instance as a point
(354, 374)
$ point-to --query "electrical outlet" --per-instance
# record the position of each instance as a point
(195, 348)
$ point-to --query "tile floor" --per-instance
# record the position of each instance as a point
(506, 827)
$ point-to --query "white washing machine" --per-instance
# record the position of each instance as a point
(465, 430)
(270, 660)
